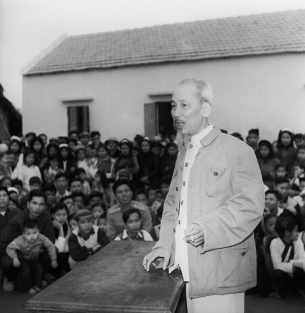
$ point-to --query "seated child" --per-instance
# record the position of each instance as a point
(102, 222)
(50, 192)
(72, 222)
(140, 196)
(99, 178)
(280, 171)
(158, 227)
(132, 231)
(288, 256)
(97, 211)
(86, 239)
(69, 202)
(81, 174)
(301, 154)
(79, 200)
(53, 168)
(298, 173)
(24, 251)
(298, 198)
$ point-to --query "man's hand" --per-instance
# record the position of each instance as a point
(54, 264)
(16, 262)
(157, 253)
(194, 235)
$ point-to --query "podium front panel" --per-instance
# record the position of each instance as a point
(113, 280)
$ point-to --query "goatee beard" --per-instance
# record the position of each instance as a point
(182, 141)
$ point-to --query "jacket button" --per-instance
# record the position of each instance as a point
(215, 173)
(190, 146)
(186, 164)
(176, 210)
(174, 230)
(177, 188)
(179, 222)
(243, 253)
(181, 202)
(184, 183)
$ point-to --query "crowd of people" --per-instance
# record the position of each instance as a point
(63, 199)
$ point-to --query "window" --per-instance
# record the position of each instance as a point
(78, 118)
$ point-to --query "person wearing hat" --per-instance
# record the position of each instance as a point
(86, 239)
(84, 138)
(286, 152)
(66, 159)
(112, 144)
(123, 194)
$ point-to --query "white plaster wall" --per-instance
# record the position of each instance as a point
(267, 92)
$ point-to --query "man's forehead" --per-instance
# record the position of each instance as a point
(183, 92)
(37, 199)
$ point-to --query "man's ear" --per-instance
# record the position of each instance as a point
(206, 109)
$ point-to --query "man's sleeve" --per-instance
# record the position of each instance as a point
(111, 230)
(10, 232)
(48, 229)
(12, 248)
(77, 252)
(232, 223)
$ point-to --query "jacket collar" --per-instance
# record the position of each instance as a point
(210, 137)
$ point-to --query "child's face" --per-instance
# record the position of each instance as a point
(264, 151)
(89, 152)
(301, 155)
(85, 224)
(252, 139)
(54, 164)
(141, 197)
(172, 151)
(97, 212)
(35, 186)
(82, 176)
(51, 197)
(6, 183)
(159, 196)
(297, 170)
(281, 172)
(31, 234)
(52, 152)
(84, 140)
(125, 150)
(270, 226)
(12, 205)
(156, 150)
(61, 216)
(81, 155)
(133, 223)
(164, 189)
(69, 203)
(286, 139)
(14, 147)
(72, 224)
(271, 201)
(29, 160)
(293, 235)
(145, 146)
(71, 145)
(61, 183)
(37, 146)
(152, 195)
(79, 202)
(299, 142)
(283, 189)
(102, 223)
(64, 153)
(76, 186)
(102, 153)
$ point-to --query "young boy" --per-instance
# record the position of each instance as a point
(81, 174)
(54, 169)
(50, 192)
(97, 211)
(299, 140)
(35, 183)
(165, 183)
(60, 183)
(132, 231)
(280, 171)
(79, 200)
(301, 154)
(86, 239)
(298, 172)
(288, 256)
(24, 251)
(102, 222)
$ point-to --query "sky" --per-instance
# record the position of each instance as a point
(27, 27)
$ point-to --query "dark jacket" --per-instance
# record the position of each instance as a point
(8, 215)
(14, 227)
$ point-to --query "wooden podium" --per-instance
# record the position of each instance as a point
(113, 280)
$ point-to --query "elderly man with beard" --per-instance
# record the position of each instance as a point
(215, 201)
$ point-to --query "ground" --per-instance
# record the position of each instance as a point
(11, 302)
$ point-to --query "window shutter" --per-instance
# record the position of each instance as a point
(72, 118)
(85, 118)
(150, 119)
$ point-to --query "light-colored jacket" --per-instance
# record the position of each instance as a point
(226, 198)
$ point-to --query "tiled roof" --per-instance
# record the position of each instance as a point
(279, 32)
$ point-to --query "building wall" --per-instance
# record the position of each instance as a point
(267, 92)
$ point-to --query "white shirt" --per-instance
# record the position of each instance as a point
(181, 252)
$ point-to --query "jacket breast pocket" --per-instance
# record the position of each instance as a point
(215, 181)
(234, 267)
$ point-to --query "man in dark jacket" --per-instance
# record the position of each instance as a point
(36, 210)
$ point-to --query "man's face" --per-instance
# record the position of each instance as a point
(271, 201)
(252, 140)
(283, 189)
(36, 206)
(141, 197)
(61, 183)
(76, 186)
(133, 223)
(301, 155)
(31, 234)
(79, 202)
(187, 111)
(297, 170)
(95, 200)
(4, 199)
(85, 224)
(123, 194)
